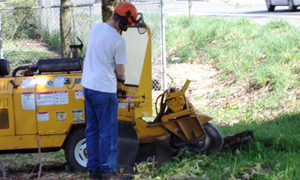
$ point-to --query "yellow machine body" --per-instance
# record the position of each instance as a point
(39, 111)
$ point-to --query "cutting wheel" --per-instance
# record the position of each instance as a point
(215, 137)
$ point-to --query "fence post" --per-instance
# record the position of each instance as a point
(163, 45)
(52, 15)
(45, 25)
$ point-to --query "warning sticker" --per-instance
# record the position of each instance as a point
(78, 93)
(29, 82)
(43, 116)
(128, 97)
(41, 80)
(61, 97)
(28, 101)
(59, 81)
(78, 114)
(44, 98)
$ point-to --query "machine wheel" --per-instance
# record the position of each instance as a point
(75, 150)
(216, 140)
(291, 6)
(270, 6)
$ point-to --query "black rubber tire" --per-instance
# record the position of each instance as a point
(76, 143)
(270, 7)
(291, 6)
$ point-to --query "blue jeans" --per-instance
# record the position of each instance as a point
(101, 130)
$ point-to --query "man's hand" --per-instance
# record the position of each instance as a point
(122, 80)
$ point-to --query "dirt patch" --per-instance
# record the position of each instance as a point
(205, 81)
(210, 89)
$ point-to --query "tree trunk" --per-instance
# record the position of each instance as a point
(65, 27)
(108, 9)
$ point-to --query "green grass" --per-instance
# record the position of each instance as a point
(258, 162)
(272, 154)
(253, 53)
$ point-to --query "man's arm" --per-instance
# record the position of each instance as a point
(120, 70)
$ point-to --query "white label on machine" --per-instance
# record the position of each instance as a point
(134, 90)
(41, 80)
(44, 98)
(28, 101)
(122, 105)
(78, 93)
(61, 97)
(43, 116)
(59, 81)
(29, 82)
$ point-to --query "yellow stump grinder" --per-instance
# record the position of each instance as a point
(45, 102)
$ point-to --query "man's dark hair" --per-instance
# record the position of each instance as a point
(116, 17)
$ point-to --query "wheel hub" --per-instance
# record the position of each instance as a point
(81, 153)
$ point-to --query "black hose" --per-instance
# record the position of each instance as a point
(162, 109)
(161, 95)
(19, 68)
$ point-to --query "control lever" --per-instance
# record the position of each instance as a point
(13, 83)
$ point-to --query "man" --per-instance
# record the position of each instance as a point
(104, 63)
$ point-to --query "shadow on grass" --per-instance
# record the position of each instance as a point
(281, 133)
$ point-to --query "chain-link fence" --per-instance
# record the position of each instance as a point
(31, 30)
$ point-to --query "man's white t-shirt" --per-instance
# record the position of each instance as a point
(106, 48)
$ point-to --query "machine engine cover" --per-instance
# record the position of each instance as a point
(59, 65)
